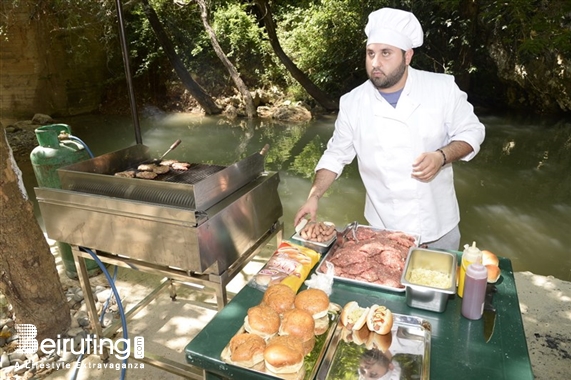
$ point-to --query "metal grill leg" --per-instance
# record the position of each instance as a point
(88, 295)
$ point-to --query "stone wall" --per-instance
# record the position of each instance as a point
(45, 66)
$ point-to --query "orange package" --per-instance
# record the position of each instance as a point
(290, 264)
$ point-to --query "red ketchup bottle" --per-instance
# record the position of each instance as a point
(474, 291)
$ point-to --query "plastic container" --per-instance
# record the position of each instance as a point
(474, 291)
(471, 255)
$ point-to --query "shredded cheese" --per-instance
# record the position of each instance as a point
(429, 277)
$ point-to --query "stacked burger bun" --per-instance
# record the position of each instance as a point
(316, 303)
(246, 350)
(262, 320)
(279, 297)
(300, 324)
(491, 262)
(284, 354)
(287, 324)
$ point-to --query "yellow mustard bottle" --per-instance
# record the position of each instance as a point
(471, 255)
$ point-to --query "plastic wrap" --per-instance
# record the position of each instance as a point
(290, 264)
(323, 281)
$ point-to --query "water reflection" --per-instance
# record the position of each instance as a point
(515, 196)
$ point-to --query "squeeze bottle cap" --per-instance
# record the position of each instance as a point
(471, 253)
(477, 271)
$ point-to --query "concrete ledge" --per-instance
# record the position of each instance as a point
(545, 304)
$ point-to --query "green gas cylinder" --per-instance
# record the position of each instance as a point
(55, 151)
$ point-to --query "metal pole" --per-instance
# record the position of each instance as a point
(125, 52)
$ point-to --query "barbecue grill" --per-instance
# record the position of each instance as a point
(199, 220)
(198, 226)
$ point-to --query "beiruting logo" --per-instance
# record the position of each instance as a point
(120, 348)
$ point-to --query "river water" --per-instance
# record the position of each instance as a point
(515, 196)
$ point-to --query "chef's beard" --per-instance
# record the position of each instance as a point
(390, 79)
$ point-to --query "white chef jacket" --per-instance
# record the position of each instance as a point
(431, 112)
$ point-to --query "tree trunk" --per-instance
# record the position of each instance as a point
(469, 12)
(248, 101)
(28, 274)
(194, 88)
(315, 92)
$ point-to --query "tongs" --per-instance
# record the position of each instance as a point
(172, 147)
(351, 227)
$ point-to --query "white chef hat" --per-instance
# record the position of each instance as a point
(394, 27)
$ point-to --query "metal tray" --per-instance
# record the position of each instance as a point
(347, 233)
(311, 361)
(409, 345)
(320, 247)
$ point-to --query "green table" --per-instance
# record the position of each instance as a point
(458, 348)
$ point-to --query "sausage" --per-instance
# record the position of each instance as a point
(318, 232)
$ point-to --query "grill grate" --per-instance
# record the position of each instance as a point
(137, 189)
(194, 174)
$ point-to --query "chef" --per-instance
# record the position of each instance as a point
(406, 127)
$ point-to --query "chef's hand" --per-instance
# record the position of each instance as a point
(308, 208)
(426, 166)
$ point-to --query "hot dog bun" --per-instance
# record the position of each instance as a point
(489, 258)
(353, 316)
(380, 319)
(491, 261)
(361, 336)
(379, 342)
(494, 273)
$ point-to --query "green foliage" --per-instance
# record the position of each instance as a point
(240, 37)
(76, 22)
(305, 162)
(531, 28)
(326, 41)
